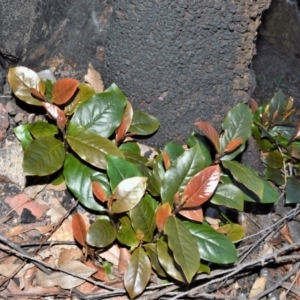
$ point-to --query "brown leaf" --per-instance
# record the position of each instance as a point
(99, 192)
(112, 255)
(161, 215)
(210, 133)
(193, 214)
(286, 234)
(79, 229)
(37, 94)
(123, 261)
(253, 105)
(93, 78)
(202, 186)
(232, 145)
(126, 122)
(67, 255)
(100, 274)
(56, 113)
(166, 160)
(63, 90)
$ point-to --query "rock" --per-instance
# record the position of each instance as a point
(4, 122)
(11, 159)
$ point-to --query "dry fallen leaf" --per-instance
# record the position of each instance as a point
(56, 211)
(64, 280)
(93, 78)
(258, 287)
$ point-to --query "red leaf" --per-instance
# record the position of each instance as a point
(202, 186)
(193, 214)
(79, 229)
(162, 214)
(210, 133)
(166, 160)
(126, 122)
(232, 145)
(37, 94)
(56, 114)
(99, 192)
(253, 105)
(63, 90)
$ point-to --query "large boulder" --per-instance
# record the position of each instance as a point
(179, 60)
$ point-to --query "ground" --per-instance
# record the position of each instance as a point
(32, 218)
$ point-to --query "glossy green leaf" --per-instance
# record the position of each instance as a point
(277, 107)
(84, 93)
(165, 258)
(128, 193)
(21, 80)
(102, 113)
(58, 179)
(41, 128)
(173, 150)
(43, 156)
(152, 252)
(274, 175)
(135, 158)
(143, 218)
(229, 195)
(119, 169)
(130, 146)
(179, 174)
(183, 246)
(154, 182)
(250, 179)
(101, 234)
(213, 246)
(90, 146)
(143, 124)
(274, 160)
(79, 180)
(48, 88)
(292, 190)
(127, 236)
(194, 139)
(138, 272)
(237, 125)
(234, 232)
(23, 134)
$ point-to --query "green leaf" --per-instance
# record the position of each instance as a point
(179, 174)
(90, 146)
(128, 194)
(134, 157)
(292, 190)
(234, 232)
(102, 113)
(167, 261)
(40, 129)
(143, 218)
(183, 246)
(138, 272)
(48, 88)
(274, 175)
(130, 146)
(84, 93)
(204, 269)
(173, 150)
(119, 169)
(152, 252)
(101, 234)
(250, 179)
(277, 107)
(229, 195)
(21, 80)
(200, 140)
(127, 236)
(274, 160)
(237, 125)
(213, 246)
(143, 124)
(154, 182)
(23, 134)
(79, 180)
(43, 156)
